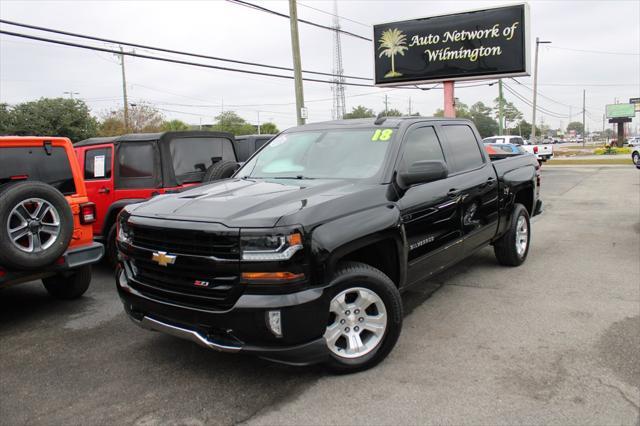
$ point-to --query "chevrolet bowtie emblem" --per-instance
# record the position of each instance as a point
(163, 258)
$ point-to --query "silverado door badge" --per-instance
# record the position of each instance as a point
(163, 259)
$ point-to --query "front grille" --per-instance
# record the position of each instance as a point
(176, 283)
(193, 242)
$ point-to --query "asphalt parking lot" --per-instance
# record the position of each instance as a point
(554, 341)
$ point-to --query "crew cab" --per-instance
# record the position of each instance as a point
(543, 152)
(302, 255)
(45, 216)
(127, 169)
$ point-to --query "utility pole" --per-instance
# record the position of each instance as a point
(386, 105)
(500, 109)
(124, 91)
(535, 89)
(297, 67)
(409, 105)
(584, 128)
(603, 135)
(71, 93)
(258, 122)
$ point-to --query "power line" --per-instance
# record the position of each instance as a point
(550, 99)
(304, 21)
(528, 102)
(161, 49)
(175, 61)
(599, 52)
(336, 15)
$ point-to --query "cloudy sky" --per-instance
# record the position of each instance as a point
(595, 46)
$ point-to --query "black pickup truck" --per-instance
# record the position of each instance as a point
(301, 256)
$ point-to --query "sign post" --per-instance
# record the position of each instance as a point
(449, 100)
(620, 114)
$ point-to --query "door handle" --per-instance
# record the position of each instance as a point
(453, 193)
(104, 190)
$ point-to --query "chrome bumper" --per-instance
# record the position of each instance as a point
(183, 333)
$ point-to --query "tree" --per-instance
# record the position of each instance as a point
(269, 128)
(523, 128)
(229, 121)
(143, 118)
(392, 42)
(510, 113)
(49, 117)
(575, 125)
(5, 119)
(481, 116)
(390, 113)
(174, 126)
(359, 112)
(462, 110)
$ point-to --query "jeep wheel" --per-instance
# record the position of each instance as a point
(220, 170)
(512, 248)
(365, 318)
(64, 286)
(36, 225)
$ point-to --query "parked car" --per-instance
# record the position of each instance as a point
(246, 145)
(503, 150)
(543, 152)
(128, 169)
(635, 155)
(302, 255)
(45, 217)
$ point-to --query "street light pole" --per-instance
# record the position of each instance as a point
(535, 89)
(297, 67)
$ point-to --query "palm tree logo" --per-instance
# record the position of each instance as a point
(392, 42)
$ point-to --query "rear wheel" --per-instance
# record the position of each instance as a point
(365, 318)
(36, 225)
(69, 286)
(512, 248)
(636, 158)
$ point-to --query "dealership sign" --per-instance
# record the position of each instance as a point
(470, 45)
(620, 110)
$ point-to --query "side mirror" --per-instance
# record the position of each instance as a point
(423, 172)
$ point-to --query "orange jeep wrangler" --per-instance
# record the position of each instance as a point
(45, 216)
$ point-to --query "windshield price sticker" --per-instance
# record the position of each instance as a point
(382, 135)
(98, 166)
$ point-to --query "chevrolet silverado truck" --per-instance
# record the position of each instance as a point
(301, 256)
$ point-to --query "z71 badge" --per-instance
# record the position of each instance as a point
(201, 283)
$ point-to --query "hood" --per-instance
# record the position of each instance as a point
(246, 202)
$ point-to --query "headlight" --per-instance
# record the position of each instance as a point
(267, 247)
(124, 232)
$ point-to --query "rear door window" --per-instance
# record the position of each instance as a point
(35, 164)
(463, 148)
(192, 157)
(137, 165)
(97, 163)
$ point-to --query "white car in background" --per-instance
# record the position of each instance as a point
(543, 152)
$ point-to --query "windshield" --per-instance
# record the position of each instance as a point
(322, 154)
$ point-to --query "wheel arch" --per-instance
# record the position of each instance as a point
(112, 213)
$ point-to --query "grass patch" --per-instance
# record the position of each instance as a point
(594, 161)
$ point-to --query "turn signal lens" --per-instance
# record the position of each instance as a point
(295, 239)
(271, 276)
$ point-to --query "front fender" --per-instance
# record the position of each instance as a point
(332, 241)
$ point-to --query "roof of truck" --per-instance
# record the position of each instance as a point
(141, 137)
(368, 122)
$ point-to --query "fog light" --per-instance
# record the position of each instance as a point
(274, 323)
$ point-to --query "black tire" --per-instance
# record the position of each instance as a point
(352, 275)
(220, 170)
(636, 158)
(505, 248)
(111, 250)
(69, 286)
(11, 197)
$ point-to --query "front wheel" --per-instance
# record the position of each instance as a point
(365, 318)
(512, 248)
(636, 158)
(69, 286)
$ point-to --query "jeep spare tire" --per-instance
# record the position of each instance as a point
(220, 170)
(36, 225)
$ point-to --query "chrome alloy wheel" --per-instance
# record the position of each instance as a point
(357, 322)
(522, 236)
(33, 225)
